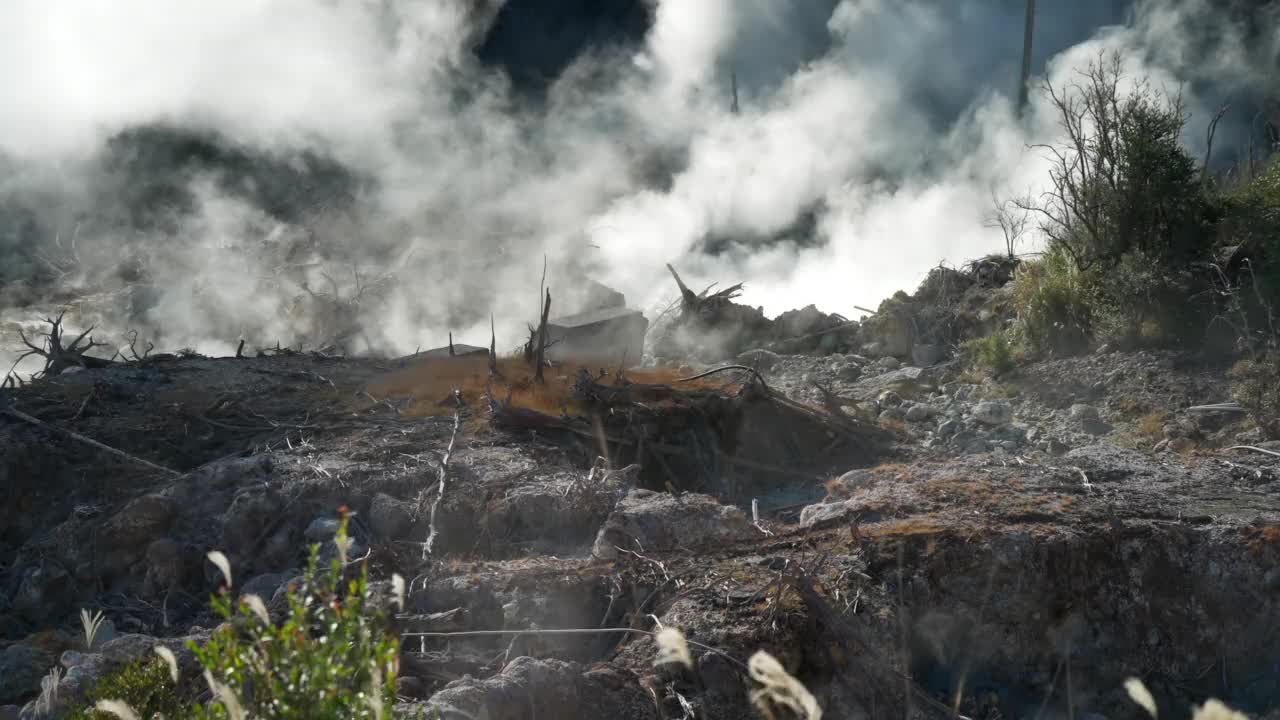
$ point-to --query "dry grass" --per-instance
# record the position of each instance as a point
(430, 383)
(1149, 429)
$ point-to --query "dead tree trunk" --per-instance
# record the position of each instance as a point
(540, 357)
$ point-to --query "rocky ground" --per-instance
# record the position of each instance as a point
(1015, 548)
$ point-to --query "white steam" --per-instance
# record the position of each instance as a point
(473, 187)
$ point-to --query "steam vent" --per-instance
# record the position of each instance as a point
(936, 385)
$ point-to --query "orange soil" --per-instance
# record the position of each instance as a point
(431, 384)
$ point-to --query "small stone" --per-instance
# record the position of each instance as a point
(1161, 446)
(1009, 446)
(920, 412)
(1057, 447)
(891, 414)
(1180, 444)
(1033, 434)
(947, 428)
(992, 412)
(1081, 412)
(889, 399)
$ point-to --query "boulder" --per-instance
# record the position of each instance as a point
(993, 412)
(661, 521)
(871, 387)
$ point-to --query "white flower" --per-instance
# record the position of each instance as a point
(258, 607)
(397, 587)
(780, 688)
(167, 655)
(672, 648)
(217, 558)
(1141, 695)
(117, 708)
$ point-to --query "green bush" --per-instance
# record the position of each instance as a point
(993, 353)
(144, 685)
(1255, 384)
(334, 658)
(1055, 312)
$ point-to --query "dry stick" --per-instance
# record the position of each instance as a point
(540, 355)
(493, 348)
(18, 414)
(1254, 449)
(444, 468)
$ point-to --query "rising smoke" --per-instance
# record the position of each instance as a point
(428, 155)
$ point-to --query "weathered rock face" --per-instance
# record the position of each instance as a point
(21, 667)
(529, 687)
(645, 521)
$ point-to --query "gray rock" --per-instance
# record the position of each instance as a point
(921, 412)
(21, 667)
(1081, 412)
(660, 521)
(264, 586)
(870, 388)
(926, 355)
(891, 414)
(390, 518)
(321, 529)
(825, 513)
(948, 428)
(993, 412)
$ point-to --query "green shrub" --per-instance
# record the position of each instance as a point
(1255, 384)
(334, 658)
(1054, 310)
(993, 353)
(144, 685)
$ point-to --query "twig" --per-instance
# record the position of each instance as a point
(19, 415)
(442, 477)
(1254, 449)
(713, 371)
(541, 352)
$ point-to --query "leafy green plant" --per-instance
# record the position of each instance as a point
(1055, 312)
(1255, 384)
(335, 656)
(145, 685)
(993, 353)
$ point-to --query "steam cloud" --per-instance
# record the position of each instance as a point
(888, 123)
